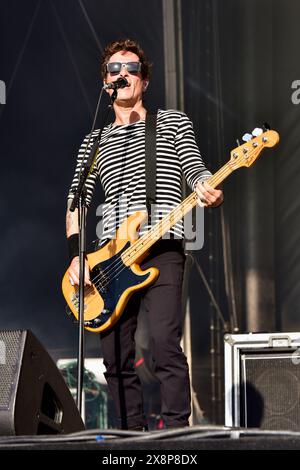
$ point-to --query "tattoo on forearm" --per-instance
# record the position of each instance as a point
(71, 221)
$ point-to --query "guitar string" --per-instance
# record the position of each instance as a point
(226, 168)
(216, 176)
(118, 263)
(118, 266)
(136, 247)
(163, 221)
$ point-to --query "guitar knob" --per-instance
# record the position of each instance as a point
(247, 137)
(257, 131)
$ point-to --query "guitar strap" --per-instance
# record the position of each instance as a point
(150, 160)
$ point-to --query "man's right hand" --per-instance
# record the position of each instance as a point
(74, 273)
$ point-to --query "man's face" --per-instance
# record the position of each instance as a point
(131, 94)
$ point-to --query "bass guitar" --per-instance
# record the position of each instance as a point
(114, 269)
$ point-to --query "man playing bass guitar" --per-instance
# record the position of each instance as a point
(120, 166)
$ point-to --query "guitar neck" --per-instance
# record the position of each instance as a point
(137, 249)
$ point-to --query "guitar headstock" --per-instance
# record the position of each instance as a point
(247, 153)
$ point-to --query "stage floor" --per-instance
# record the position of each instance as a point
(195, 438)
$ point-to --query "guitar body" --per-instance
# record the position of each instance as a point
(113, 282)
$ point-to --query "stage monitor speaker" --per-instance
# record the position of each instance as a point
(34, 398)
(262, 381)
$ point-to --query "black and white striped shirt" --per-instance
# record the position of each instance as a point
(120, 165)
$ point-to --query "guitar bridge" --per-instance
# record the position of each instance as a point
(75, 302)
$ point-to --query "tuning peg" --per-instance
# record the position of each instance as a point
(257, 131)
(247, 137)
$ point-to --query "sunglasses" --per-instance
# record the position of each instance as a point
(115, 67)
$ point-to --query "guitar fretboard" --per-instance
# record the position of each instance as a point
(137, 249)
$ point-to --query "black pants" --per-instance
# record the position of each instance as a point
(162, 302)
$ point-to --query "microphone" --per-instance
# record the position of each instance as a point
(120, 83)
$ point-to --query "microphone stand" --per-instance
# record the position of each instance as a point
(79, 202)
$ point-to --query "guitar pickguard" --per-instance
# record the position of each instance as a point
(111, 278)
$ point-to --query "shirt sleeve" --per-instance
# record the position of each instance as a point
(91, 179)
(188, 152)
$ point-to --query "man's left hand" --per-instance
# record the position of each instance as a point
(207, 195)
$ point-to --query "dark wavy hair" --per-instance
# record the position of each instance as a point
(126, 45)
